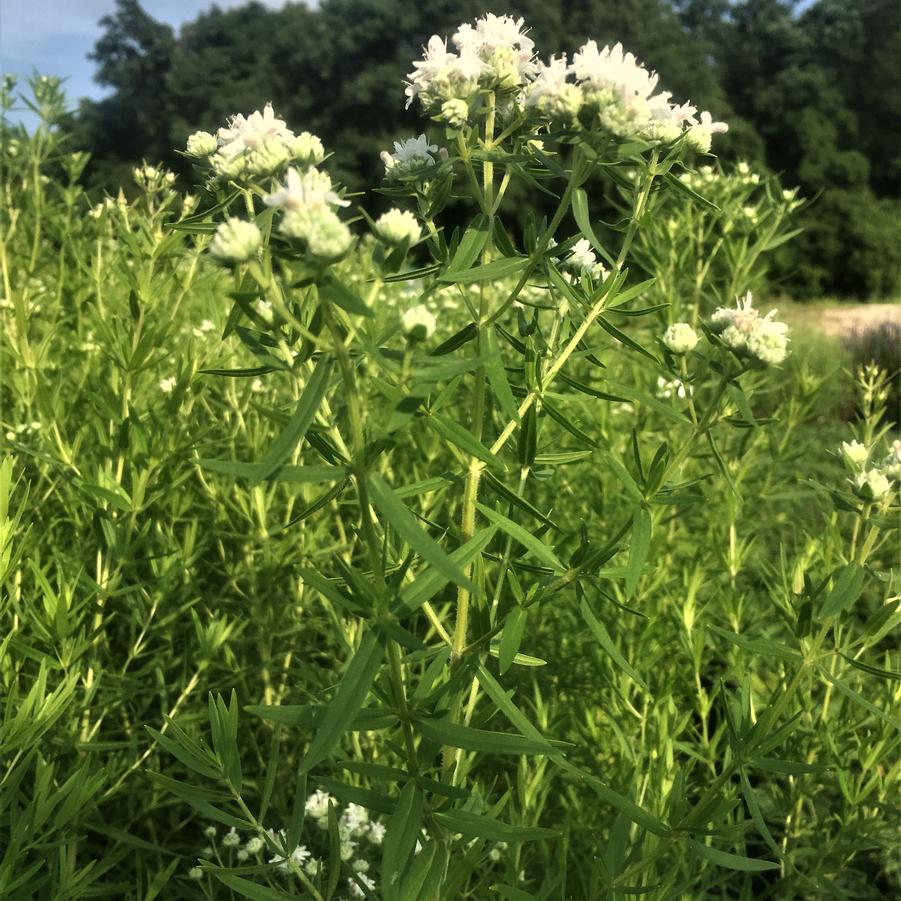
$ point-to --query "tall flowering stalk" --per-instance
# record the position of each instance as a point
(436, 576)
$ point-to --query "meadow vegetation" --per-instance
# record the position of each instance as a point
(367, 557)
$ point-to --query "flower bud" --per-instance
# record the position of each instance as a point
(871, 485)
(201, 144)
(327, 237)
(680, 338)
(236, 241)
(418, 323)
(397, 226)
(855, 455)
(455, 112)
(307, 149)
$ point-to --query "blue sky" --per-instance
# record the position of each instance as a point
(55, 36)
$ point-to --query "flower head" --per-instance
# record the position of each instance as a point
(745, 331)
(855, 455)
(551, 94)
(311, 189)
(397, 226)
(418, 323)
(235, 241)
(409, 155)
(680, 338)
(202, 144)
(871, 485)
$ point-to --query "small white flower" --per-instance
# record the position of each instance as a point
(680, 338)
(582, 256)
(376, 832)
(231, 839)
(891, 465)
(666, 389)
(871, 485)
(236, 241)
(409, 155)
(195, 873)
(355, 890)
(700, 135)
(167, 386)
(855, 455)
(317, 805)
(327, 237)
(243, 854)
(418, 323)
(254, 845)
(397, 226)
(455, 112)
(311, 190)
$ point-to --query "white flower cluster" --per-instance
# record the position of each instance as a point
(22, 430)
(418, 323)
(397, 226)
(235, 241)
(581, 261)
(680, 338)
(254, 145)
(308, 201)
(606, 87)
(708, 179)
(871, 482)
(493, 53)
(354, 825)
(152, 179)
(410, 156)
(745, 331)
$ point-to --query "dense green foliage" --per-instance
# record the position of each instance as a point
(678, 671)
(814, 95)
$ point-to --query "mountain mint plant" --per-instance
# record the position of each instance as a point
(505, 536)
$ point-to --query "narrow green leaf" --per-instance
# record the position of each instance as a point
(427, 584)
(300, 421)
(482, 740)
(583, 220)
(845, 590)
(470, 246)
(849, 692)
(762, 646)
(335, 291)
(406, 526)
(462, 438)
(532, 544)
(352, 692)
(477, 826)
(638, 549)
(253, 890)
(606, 642)
(403, 830)
(497, 376)
(511, 638)
(492, 271)
(625, 339)
(731, 861)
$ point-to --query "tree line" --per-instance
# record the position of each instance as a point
(812, 93)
